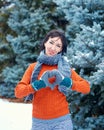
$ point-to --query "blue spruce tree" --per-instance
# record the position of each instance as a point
(30, 21)
(87, 58)
(6, 53)
(85, 32)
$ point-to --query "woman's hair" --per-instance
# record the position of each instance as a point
(56, 33)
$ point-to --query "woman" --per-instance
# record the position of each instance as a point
(49, 80)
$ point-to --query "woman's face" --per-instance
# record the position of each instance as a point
(53, 46)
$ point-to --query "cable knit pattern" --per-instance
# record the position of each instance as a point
(47, 103)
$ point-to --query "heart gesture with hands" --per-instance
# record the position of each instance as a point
(60, 80)
(49, 74)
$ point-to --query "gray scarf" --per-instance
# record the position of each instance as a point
(58, 59)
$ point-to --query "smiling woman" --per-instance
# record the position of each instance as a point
(48, 81)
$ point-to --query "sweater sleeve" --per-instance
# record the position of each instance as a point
(24, 87)
(79, 84)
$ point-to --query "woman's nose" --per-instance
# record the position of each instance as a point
(53, 47)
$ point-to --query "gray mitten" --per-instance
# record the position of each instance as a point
(45, 77)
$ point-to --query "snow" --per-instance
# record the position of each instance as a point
(15, 116)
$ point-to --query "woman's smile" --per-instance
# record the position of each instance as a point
(51, 52)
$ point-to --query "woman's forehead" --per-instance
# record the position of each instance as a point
(55, 39)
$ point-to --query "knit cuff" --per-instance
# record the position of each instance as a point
(63, 89)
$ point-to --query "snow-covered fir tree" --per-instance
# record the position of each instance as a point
(6, 53)
(30, 21)
(88, 59)
(85, 32)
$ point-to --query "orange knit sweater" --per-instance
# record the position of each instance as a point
(47, 103)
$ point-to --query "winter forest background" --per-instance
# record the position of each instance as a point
(23, 25)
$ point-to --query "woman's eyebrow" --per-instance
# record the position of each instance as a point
(55, 40)
(52, 41)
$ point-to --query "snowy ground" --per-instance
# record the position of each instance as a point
(15, 116)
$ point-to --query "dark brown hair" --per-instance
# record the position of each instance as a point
(56, 33)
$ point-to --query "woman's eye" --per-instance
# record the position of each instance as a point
(51, 42)
(58, 46)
